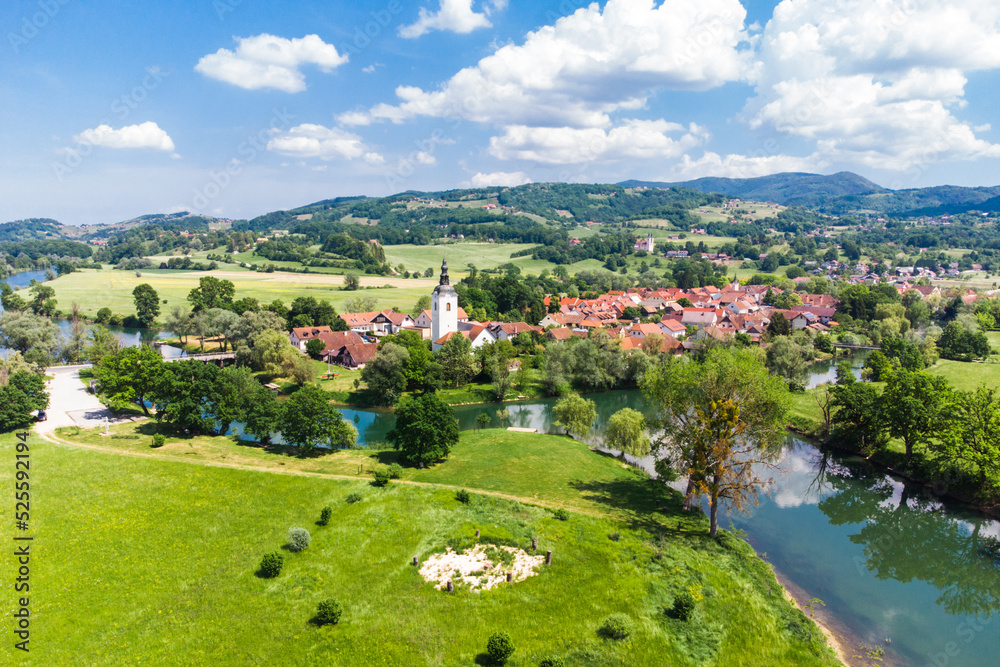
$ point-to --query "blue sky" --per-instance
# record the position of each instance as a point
(110, 110)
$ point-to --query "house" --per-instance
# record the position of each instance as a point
(336, 340)
(359, 321)
(302, 335)
(424, 319)
(355, 355)
(562, 333)
(640, 331)
(824, 315)
(699, 317)
(672, 327)
(561, 320)
(478, 335)
(821, 300)
(510, 330)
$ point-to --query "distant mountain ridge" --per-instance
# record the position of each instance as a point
(842, 193)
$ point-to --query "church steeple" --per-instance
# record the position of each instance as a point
(444, 272)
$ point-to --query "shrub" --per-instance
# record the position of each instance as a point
(324, 515)
(615, 536)
(683, 608)
(158, 440)
(381, 476)
(463, 496)
(552, 661)
(328, 612)
(617, 626)
(270, 565)
(298, 539)
(561, 514)
(395, 471)
(353, 497)
(500, 647)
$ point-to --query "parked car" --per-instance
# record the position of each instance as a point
(41, 416)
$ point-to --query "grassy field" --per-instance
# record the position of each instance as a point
(146, 561)
(94, 289)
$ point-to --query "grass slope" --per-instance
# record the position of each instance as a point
(143, 561)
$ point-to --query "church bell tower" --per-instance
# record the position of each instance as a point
(444, 306)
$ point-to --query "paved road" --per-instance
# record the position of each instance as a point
(70, 404)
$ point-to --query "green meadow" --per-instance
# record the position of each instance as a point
(154, 561)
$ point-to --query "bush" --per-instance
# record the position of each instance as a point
(615, 536)
(552, 662)
(500, 647)
(158, 440)
(270, 565)
(463, 496)
(324, 515)
(395, 471)
(353, 497)
(381, 476)
(683, 608)
(328, 612)
(561, 514)
(617, 626)
(298, 539)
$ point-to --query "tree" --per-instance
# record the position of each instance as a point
(308, 420)
(43, 301)
(385, 375)
(960, 344)
(273, 354)
(351, 282)
(787, 359)
(35, 337)
(220, 324)
(182, 391)
(423, 303)
(719, 421)
(913, 402)
(211, 293)
(178, 321)
(100, 343)
(483, 420)
(129, 376)
(779, 326)
(11, 300)
(16, 405)
(426, 428)
(575, 414)
(859, 419)
(361, 304)
(235, 387)
(147, 304)
(626, 432)
(315, 347)
(972, 436)
(262, 414)
(457, 364)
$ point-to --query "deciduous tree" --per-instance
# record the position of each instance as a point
(426, 428)
(147, 304)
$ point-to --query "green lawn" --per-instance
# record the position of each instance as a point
(142, 561)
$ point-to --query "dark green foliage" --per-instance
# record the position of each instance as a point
(324, 515)
(462, 496)
(147, 304)
(552, 661)
(385, 375)
(353, 497)
(617, 626)
(158, 440)
(134, 374)
(683, 608)
(328, 612)
(615, 536)
(271, 564)
(561, 514)
(381, 477)
(426, 428)
(859, 420)
(308, 420)
(500, 647)
(395, 471)
(314, 347)
(957, 343)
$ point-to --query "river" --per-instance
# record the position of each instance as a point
(128, 336)
(888, 561)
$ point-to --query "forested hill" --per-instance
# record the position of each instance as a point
(843, 193)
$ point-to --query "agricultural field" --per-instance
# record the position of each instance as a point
(165, 553)
(755, 210)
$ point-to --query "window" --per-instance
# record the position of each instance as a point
(448, 307)
(435, 305)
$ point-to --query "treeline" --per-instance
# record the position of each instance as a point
(600, 203)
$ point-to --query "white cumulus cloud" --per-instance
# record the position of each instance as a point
(634, 139)
(876, 83)
(453, 15)
(745, 166)
(144, 135)
(499, 178)
(326, 143)
(588, 65)
(266, 61)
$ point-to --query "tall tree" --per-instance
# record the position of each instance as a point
(35, 337)
(718, 421)
(626, 432)
(913, 402)
(43, 301)
(308, 420)
(130, 376)
(385, 374)
(455, 357)
(426, 429)
(971, 436)
(212, 293)
(147, 304)
(575, 414)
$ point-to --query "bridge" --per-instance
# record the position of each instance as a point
(845, 346)
(221, 357)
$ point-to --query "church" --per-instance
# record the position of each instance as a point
(444, 307)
